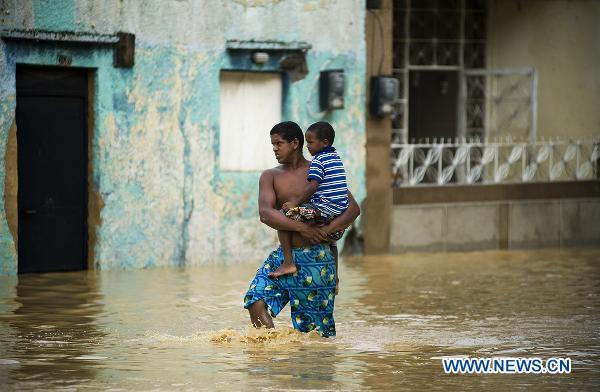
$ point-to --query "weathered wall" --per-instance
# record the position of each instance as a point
(164, 199)
(512, 224)
(560, 39)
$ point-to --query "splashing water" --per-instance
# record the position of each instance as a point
(279, 335)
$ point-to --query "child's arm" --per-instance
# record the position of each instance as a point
(316, 173)
(309, 189)
(271, 216)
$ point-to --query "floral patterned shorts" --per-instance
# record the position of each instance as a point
(310, 291)
(308, 213)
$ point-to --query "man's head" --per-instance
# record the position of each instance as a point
(287, 140)
(318, 136)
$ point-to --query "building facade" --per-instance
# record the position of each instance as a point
(493, 142)
(169, 105)
(495, 138)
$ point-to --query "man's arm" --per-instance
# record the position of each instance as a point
(346, 218)
(270, 215)
(342, 222)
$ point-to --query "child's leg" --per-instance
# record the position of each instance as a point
(288, 266)
(285, 239)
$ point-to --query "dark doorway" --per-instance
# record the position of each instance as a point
(51, 118)
(433, 100)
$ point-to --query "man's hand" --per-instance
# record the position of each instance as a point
(288, 205)
(327, 228)
(314, 234)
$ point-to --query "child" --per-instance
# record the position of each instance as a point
(326, 191)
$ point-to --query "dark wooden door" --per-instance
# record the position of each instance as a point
(52, 166)
(433, 100)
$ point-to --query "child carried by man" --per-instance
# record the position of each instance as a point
(325, 195)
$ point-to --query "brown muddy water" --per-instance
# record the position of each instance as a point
(397, 316)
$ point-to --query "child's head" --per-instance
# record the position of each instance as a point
(318, 136)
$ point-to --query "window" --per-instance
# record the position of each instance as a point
(251, 105)
(433, 42)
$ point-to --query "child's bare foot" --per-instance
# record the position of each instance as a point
(283, 269)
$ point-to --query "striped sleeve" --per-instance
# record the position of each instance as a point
(316, 171)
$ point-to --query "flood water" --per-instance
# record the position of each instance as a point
(396, 317)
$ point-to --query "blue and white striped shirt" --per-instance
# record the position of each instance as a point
(331, 197)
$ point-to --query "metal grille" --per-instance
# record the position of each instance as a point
(461, 161)
(434, 35)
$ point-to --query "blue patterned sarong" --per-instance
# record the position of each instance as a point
(310, 291)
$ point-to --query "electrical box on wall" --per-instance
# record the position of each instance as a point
(331, 89)
(384, 94)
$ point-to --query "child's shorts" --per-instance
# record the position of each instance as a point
(310, 291)
(309, 213)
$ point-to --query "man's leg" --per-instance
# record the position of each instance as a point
(266, 297)
(312, 293)
(288, 266)
(259, 315)
(334, 250)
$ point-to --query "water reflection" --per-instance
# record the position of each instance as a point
(50, 334)
(171, 329)
(482, 304)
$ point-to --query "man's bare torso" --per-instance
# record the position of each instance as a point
(288, 183)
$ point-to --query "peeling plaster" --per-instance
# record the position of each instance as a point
(163, 199)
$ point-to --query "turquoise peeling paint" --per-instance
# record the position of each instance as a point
(155, 147)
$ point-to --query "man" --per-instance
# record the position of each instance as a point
(311, 291)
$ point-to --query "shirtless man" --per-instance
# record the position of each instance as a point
(311, 291)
